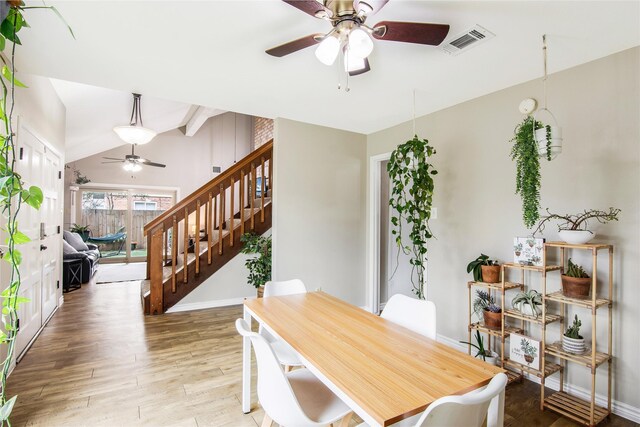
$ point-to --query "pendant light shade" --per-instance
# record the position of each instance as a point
(135, 132)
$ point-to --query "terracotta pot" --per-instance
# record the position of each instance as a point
(492, 320)
(490, 273)
(260, 292)
(576, 287)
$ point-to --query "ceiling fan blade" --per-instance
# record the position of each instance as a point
(311, 7)
(149, 163)
(370, 7)
(113, 158)
(295, 45)
(113, 161)
(361, 70)
(411, 32)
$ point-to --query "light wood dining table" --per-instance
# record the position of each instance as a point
(383, 371)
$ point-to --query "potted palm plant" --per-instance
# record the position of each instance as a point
(484, 269)
(576, 283)
(260, 266)
(491, 312)
(488, 356)
(572, 341)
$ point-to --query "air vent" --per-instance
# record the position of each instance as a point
(465, 41)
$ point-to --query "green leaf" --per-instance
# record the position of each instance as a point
(20, 238)
(34, 197)
(7, 30)
(17, 256)
(3, 42)
(6, 409)
(6, 73)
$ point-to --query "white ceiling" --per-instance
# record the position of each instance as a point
(211, 53)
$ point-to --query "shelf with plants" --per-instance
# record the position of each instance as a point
(532, 267)
(495, 332)
(580, 291)
(549, 368)
(549, 318)
(496, 286)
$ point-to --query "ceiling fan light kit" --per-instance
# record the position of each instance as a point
(131, 166)
(135, 133)
(328, 50)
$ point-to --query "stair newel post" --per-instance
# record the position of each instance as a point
(174, 253)
(155, 265)
(185, 265)
(221, 219)
(232, 211)
(252, 196)
(262, 189)
(209, 227)
(242, 202)
(196, 238)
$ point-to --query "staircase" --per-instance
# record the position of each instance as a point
(213, 218)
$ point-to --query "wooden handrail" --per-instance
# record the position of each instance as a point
(212, 187)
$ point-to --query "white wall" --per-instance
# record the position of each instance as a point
(598, 106)
(318, 208)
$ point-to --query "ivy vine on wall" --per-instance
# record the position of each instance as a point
(411, 177)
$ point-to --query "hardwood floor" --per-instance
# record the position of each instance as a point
(100, 362)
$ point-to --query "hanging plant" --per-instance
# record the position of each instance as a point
(411, 178)
(13, 191)
(525, 152)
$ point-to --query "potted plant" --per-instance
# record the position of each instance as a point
(260, 266)
(491, 312)
(572, 341)
(83, 230)
(573, 227)
(484, 269)
(528, 303)
(576, 283)
(488, 356)
(517, 249)
(530, 352)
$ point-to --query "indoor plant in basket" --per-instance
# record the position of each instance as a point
(528, 303)
(573, 229)
(572, 341)
(260, 266)
(484, 269)
(576, 283)
(488, 356)
(491, 312)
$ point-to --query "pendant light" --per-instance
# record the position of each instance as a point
(135, 133)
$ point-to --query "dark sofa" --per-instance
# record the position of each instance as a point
(75, 248)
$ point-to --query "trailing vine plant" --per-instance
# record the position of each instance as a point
(411, 177)
(13, 190)
(525, 152)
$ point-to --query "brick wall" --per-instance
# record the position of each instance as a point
(262, 131)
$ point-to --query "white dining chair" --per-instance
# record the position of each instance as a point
(417, 315)
(469, 410)
(285, 354)
(291, 399)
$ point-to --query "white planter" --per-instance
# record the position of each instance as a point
(556, 141)
(573, 345)
(527, 310)
(494, 359)
(576, 237)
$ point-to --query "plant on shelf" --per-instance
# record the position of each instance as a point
(83, 230)
(528, 303)
(486, 355)
(484, 269)
(576, 283)
(572, 228)
(14, 192)
(79, 178)
(572, 341)
(412, 187)
(525, 152)
(530, 352)
(491, 312)
(260, 266)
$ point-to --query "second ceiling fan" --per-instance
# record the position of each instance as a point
(351, 36)
(133, 162)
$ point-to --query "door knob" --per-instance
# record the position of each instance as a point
(43, 248)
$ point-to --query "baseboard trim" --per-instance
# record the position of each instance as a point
(207, 304)
(621, 409)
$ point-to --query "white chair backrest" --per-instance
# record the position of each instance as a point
(286, 287)
(469, 410)
(417, 315)
(274, 391)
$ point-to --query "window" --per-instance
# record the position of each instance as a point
(144, 206)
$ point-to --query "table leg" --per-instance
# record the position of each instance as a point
(246, 368)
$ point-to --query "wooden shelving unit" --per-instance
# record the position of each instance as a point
(583, 411)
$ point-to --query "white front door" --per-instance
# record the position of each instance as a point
(40, 267)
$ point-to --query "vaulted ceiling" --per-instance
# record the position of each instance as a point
(211, 53)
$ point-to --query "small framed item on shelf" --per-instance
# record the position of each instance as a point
(528, 251)
(525, 350)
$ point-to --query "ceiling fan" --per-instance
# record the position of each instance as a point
(351, 36)
(132, 162)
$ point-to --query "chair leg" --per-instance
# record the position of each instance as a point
(346, 419)
(266, 421)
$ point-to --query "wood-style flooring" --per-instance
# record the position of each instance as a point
(100, 362)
